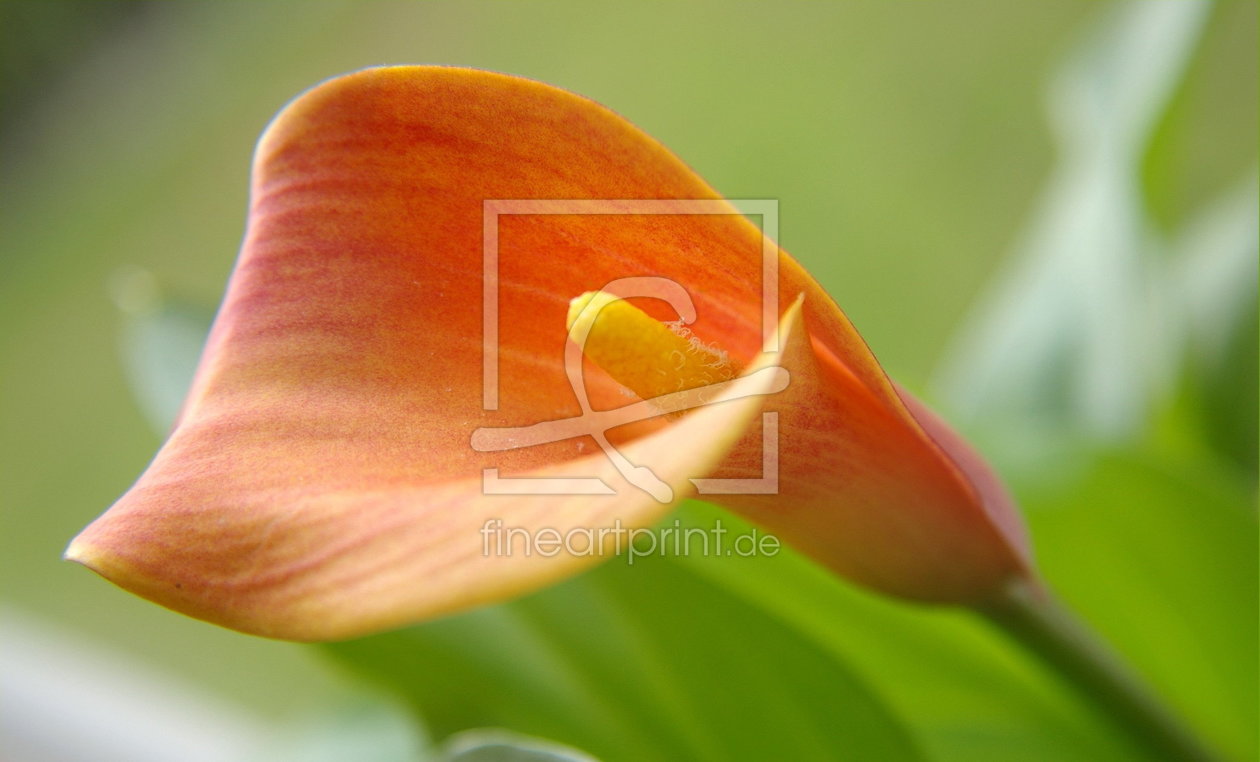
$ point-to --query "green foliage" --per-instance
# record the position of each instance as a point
(1162, 558)
(501, 746)
(631, 662)
(370, 728)
(161, 343)
(644, 661)
(1088, 330)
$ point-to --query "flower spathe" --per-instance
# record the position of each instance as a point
(321, 482)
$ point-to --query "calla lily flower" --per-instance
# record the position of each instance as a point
(328, 474)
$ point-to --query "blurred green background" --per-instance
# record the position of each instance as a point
(907, 145)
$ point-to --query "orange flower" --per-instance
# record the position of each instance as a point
(322, 481)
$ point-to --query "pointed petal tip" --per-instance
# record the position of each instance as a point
(77, 552)
(88, 551)
(83, 551)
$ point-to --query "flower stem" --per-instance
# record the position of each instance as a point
(1031, 616)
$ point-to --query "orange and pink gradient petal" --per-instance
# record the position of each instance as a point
(321, 482)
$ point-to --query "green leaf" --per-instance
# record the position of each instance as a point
(1164, 563)
(502, 746)
(1073, 337)
(967, 692)
(161, 343)
(632, 662)
(367, 729)
(1214, 279)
